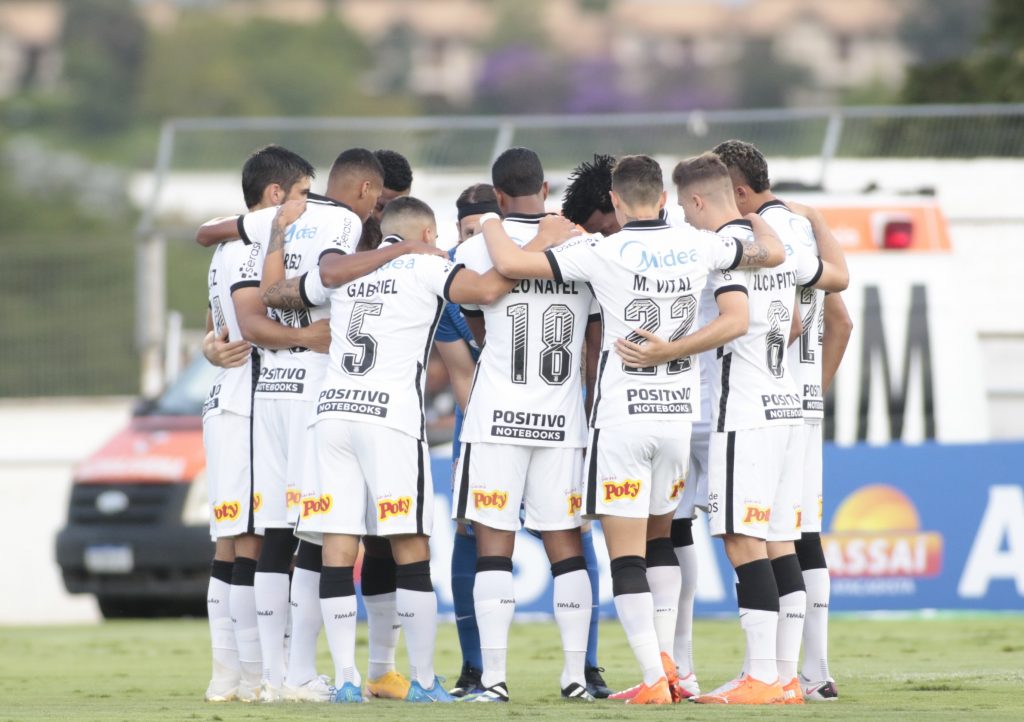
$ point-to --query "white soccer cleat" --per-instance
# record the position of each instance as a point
(270, 694)
(247, 693)
(689, 685)
(318, 689)
(824, 691)
(221, 691)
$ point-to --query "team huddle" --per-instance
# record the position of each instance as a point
(627, 362)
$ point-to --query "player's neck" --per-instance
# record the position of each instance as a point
(525, 205)
(720, 216)
(756, 200)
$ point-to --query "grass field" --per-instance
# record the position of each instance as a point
(955, 668)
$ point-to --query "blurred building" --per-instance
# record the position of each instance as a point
(30, 57)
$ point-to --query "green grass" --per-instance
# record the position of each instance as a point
(955, 668)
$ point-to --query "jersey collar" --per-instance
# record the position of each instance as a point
(525, 217)
(328, 201)
(649, 224)
(773, 203)
(737, 222)
(391, 239)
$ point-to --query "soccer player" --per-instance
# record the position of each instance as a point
(270, 176)
(397, 179)
(587, 200)
(756, 445)
(523, 437)
(647, 276)
(370, 432)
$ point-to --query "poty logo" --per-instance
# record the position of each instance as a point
(316, 505)
(227, 511)
(876, 533)
(492, 500)
(257, 501)
(293, 497)
(677, 489)
(638, 257)
(393, 507)
(757, 514)
(575, 504)
(628, 489)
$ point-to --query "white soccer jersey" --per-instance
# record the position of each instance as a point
(325, 227)
(753, 386)
(232, 388)
(805, 353)
(648, 275)
(382, 326)
(527, 385)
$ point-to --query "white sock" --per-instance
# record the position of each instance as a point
(271, 595)
(307, 619)
(382, 631)
(222, 633)
(682, 647)
(247, 637)
(418, 614)
(572, 600)
(791, 630)
(495, 603)
(665, 583)
(761, 628)
(816, 625)
(340, 622)
(636, 612)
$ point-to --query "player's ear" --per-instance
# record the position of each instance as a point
(273, 194)
(662, 200)
(364, 189)
(544, 190)
(616, 201)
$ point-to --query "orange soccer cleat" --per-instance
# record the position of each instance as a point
(657, 693)
(747, 691)
(791, 692)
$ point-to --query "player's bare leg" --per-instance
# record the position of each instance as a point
(626, 539)
(572, 599)
(792, 603)
(338, 605)
(379, 592)
(416, 605)
(495, 602)
(243, 613)
(226, 670)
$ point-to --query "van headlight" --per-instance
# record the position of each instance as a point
(196, 511)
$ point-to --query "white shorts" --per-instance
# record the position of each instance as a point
(282, 443)
(228, 477)
(637, 470)
(493, 480)
(695, 487)
(370, 479)
(754, 483)
(810, 500)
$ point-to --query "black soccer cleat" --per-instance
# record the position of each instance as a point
(468, 682)
(495, 693)
(577, 693)
(595, 682)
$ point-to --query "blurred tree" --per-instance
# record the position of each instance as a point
(764, 81)
(940, 30)
(104, 48)
(210, 66)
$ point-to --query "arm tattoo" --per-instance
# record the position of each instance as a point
(276, 237)
(285, 294)
(754, 254)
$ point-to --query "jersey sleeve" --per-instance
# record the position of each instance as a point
(720, 282)
(242, 264)
(808, 266)
(594, 314)
(255, 226)
(473, 254)
(347, 228)
(312, 289)
(575, 260)
(724, 252)
(436, 274)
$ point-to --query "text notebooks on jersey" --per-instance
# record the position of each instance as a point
(232, 388)
(753, 386)
(650, 276)
(382, 326)
(325, 227)
(805, 353)
(527, 386)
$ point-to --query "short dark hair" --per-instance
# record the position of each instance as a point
(517, 172)
(397, 210)
(272, 164)
(371, 236)
(638, 179)
(358, 160)
(699, 169)
(588, 189)
(397, 171)
(746, 160)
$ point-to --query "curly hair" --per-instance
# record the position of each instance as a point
(590, 185)
(397, 172)
(747, 160)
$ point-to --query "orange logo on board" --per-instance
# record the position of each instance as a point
(393, 507)
(490, 500)
(316, 505)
